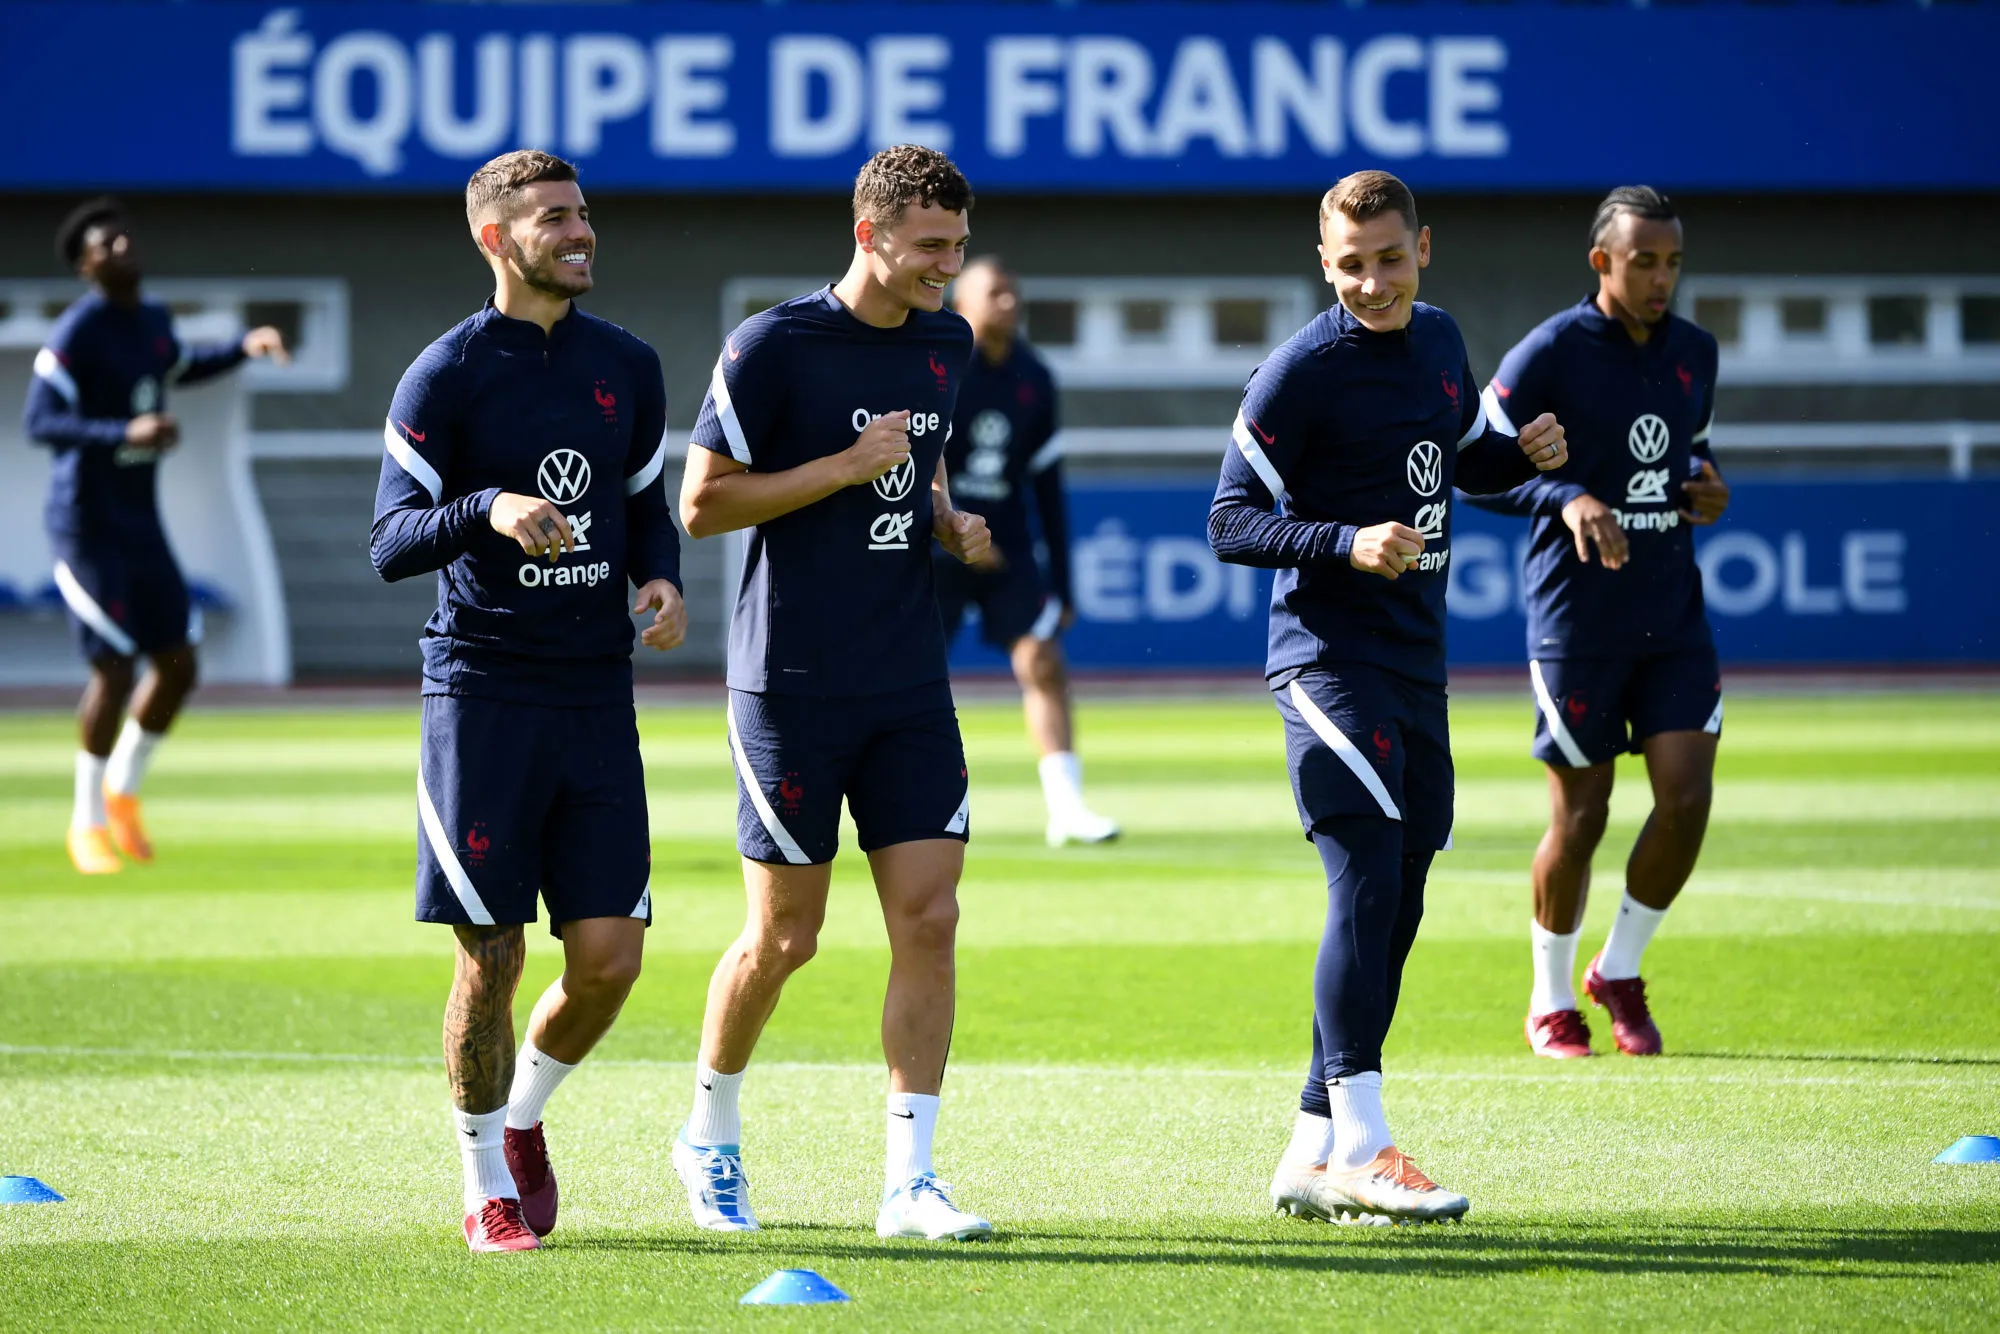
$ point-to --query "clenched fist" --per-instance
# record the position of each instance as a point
(963, 535)
(1542, 441)
(1387, 549)
(883, 444)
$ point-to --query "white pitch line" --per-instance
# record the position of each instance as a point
(1010, 1071)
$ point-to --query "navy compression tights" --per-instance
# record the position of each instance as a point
(1374, 900)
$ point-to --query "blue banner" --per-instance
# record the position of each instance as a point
(1821, 573)
(1160, 97)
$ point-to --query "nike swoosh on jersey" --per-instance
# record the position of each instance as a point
(1261, 435)
(412, 432)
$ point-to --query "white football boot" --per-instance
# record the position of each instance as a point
(1080, 824)
(922, 1207)
(718, 1192)
(1387, 1189)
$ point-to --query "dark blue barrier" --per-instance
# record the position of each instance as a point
(1797, 572)
(1119, 97)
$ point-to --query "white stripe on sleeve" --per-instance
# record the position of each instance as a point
(725, 412)
(647, 475)
(48, 366)
(179, 368)
(86, 610)
(1496, 412)
(1049, 453)
(1478, 427)
(1553, 717)
(447, 860)
(1701, 436)
(412, 462)
(1259, 461)
(1356, 762)
(755, 791)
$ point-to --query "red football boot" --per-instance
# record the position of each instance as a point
(1625, 998)
(498, 1226)
(528, 1160)
(1560, 1034)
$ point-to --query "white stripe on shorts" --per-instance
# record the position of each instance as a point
(758, 801)
(85, 608)
(1553, 716)
(447, 860)
(1323, 727)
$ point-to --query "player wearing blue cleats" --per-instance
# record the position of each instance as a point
(922, 1207)
(718, 1192)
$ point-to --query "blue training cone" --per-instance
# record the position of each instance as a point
(26, 1190)
(793, 1287)
(1972, 1149)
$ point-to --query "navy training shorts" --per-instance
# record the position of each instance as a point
(1591, 710)
(125, 596)
(897, 759)
(1363, 741)
(516, 800)
(1012, 602)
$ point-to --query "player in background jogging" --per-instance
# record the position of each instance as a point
(98, 401)
(1620, 655)
(1005, 462)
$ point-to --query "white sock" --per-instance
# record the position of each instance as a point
(1555, 969)
(88, 812)
(1062, 781)
(130, 757)
(536, 1074)
(715, 1120)
(482, 1151)
(912, 1126)
(1359, 1130)
(1312, 1141)
(1630, 935)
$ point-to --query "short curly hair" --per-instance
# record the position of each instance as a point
(907, 174)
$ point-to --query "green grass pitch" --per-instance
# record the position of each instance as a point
(228, 1062)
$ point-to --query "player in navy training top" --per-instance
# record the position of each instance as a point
(1003, 447)
(1350, 438)
(823, 436)
(525, 465)
(1619, 650)
(98, 401)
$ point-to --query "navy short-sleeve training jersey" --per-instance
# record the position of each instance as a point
(1341, 429)
(1004, 455)
(104, 364)
(1638, 417)
(836, 597)
(577, 417)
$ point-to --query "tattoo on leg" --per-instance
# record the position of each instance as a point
(479, 1016)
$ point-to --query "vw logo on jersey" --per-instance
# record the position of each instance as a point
(1648, 438)
(991, 430)
(897, 483)
(145, 396)
(563, 477)
(1425, 468)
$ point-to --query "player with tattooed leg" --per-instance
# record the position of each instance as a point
(525, 466)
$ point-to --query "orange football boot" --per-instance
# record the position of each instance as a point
(127, 831)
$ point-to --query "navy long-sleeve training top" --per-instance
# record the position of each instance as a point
(1004, 450)
(1637, 416)
(103, 365)
(576, 416)
(1342, 429)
